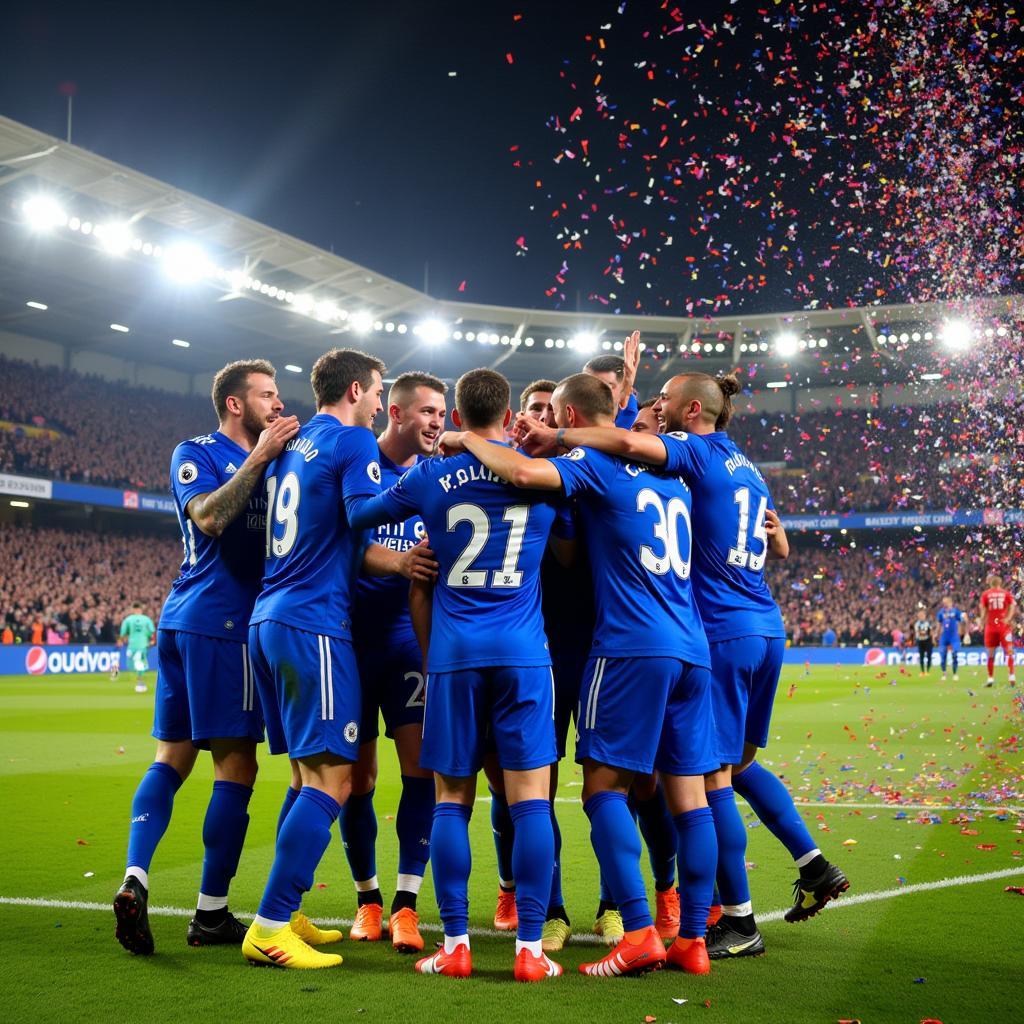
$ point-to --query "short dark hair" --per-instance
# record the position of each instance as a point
(607, 364)
(233, 381)
(535, 385)
(405, 384)
(482, 397)
(590, 395)
(647, 402)
(335, 372)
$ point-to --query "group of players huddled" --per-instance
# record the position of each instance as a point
(480, 588)
(997, 608)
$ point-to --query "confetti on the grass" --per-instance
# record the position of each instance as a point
(1017, 889)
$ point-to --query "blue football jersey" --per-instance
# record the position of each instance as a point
(380, 614)
(488, 538)
(313, 556)
(730, 498)
(220, 576)
(949, 623)
(636, 526)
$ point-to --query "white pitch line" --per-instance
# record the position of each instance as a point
(772, 915)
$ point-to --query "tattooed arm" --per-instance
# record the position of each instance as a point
(214, 512)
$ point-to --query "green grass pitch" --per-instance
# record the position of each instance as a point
(847, 740)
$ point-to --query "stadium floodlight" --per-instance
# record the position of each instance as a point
(292, 368)
(327, 311)
(15, 503)
(186, 262)
(181, 343)
(116, 238)
(786, 344)
(361, 321)
(433, 332)
(43, 213)
(120, 328)
(956, 334)
(32, 304)
(585, 341)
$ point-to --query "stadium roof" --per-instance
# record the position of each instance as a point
(121, 248)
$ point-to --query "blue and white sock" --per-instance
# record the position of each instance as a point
(151, 814)
(224, 828)
(301, 843)
(357, 824)
(450, 863)
(413, 823)
(532, 856)
(290, 796)
(555, 898)
(733, 885)
(617, 845)
(771, 802)
(698, 855)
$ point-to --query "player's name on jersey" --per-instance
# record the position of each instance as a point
(740, 461)
(304, 446)
(451, 481)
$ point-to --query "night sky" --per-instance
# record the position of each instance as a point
(671, 158)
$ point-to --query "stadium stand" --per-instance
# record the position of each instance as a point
(79, 584)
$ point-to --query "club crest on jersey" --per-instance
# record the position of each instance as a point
(373, 472)
(351, 732)
(187, 472)
(230, 468)
(575, 455)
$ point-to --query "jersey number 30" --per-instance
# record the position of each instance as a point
(282, 510)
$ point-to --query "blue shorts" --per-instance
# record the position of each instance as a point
(309, 689)
(567, 666)
(949, 642)
(508, 709)
(204, 690)
(745, 674)
(645, 713)
(391, 678)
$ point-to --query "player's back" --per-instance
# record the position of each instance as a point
(730, 498)
(998, 602)
(312, 555)
(220, 576)
(488, 538)
(637, 530)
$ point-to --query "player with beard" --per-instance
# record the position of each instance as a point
(204, 691)
(391, 675)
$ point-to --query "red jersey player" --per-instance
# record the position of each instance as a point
(997, 611)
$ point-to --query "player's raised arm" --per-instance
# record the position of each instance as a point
(510, 465)
(627, 444)
(213, 512)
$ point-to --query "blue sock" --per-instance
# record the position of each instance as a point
(605, 891)
(532, 857)
(304, 836)
(357, 824)
(659, 834)
(733, 885)
(504, 836)
(151, 813)
(698, 855)
(413, 823)
(771, 802)
(450, 863)
(954, 661)
(290, 796)
(617, 845)
(556, 899)
(223, 835)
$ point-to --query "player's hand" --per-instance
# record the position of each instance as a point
(772, 522)
(631, 363)
(450, 442)
(778, 542)
(273, 439)
(534, 438)
(417, 563)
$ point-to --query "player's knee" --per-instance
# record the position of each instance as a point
(180, 756)
(645, 786)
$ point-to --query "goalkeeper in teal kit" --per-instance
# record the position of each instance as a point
(138, 633)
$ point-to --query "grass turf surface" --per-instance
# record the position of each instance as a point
(75, 747)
